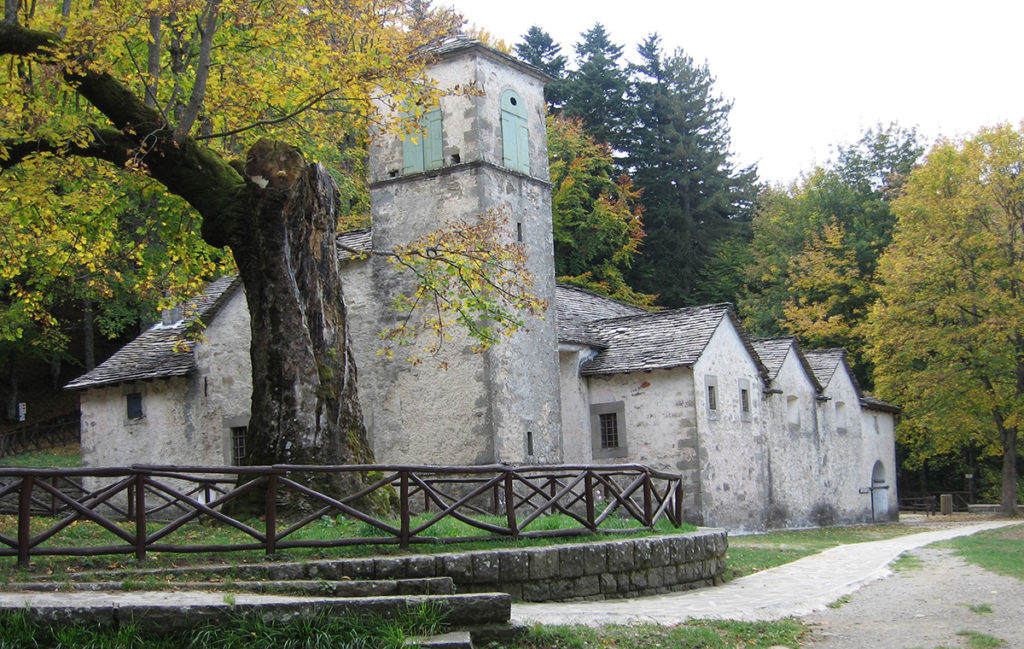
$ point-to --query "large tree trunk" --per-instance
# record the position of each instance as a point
(1008, 499)
(305, 407)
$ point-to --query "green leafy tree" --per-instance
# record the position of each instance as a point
(816, 244)
(173, 91)
(597, 217)
(678, 150)
(947, 334)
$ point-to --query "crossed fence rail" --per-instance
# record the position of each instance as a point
(175, 497)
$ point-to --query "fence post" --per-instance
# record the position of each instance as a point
(679, 502)
(140, 516)
(588, 487)
(271, 513)
(24, 520)
(648, 505)
(403, 497)
(510, 505)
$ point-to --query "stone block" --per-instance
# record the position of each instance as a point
(641, 554)
(620, 556)
(513, 566)
(536, 591)
(544, 563)
(594, 560)
(355, 569)
(638, 579)
(659, 552)
(608, 583)
(655, 578)
(561, 590)
(570, 563)
(486, 568)
(587, 586)
(420, 566)
(459, 567)
(389, 567)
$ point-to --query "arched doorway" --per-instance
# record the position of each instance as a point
(879, 493)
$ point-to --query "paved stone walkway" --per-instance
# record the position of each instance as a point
(794, 589)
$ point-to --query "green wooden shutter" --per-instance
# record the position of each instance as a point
(433, 154)
(515, 136)
(412, 153)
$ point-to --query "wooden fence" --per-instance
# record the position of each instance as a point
(174, 497)
(40, 436)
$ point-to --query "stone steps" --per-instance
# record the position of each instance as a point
(318, 588)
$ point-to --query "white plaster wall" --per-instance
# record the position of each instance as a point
(878, 443)
(794, 449)
(659, 424)
(219, 395)
(733, 458)
(843, 475)
(575, 405)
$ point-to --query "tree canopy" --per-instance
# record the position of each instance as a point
(816, 244)
(947, 334)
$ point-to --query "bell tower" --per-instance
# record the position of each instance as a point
(477, 153)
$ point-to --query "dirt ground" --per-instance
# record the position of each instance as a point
(926, 606)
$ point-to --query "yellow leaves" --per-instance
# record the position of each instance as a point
(472, 276)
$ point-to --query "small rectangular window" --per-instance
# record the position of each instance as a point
(134, 405)
(745, 401)
(239, 437)
(712, 398)
(609, 430)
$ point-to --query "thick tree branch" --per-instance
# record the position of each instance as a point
(186, 168)
(108, 144)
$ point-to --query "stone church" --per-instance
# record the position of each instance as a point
(765, 434)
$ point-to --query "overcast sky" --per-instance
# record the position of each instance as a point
(807, 75)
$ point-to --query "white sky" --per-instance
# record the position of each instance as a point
(807, 75)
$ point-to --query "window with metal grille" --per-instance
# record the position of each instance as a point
(239, 436)
(609, 430)
(134, 405)
(712, 398)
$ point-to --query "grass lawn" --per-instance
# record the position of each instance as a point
(697, 634)
(64, 457)
(1001, 551)
(756, 552)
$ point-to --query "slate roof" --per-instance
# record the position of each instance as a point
(354, 242)
(152, 355)
(874, 403)
(577, 308)
(824, 363)
(659, 340)
(773, 351)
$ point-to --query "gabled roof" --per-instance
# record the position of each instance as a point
(577, 308)
(773, 352)
(825, 362)
(660, 340)
(153, 354)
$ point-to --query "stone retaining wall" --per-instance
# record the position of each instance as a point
(596, 570)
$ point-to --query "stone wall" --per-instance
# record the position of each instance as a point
(597, 570)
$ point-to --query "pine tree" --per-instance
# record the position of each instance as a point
(678, 149)
(540, 50)
(596, 91)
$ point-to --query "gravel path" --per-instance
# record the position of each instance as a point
(924, 606)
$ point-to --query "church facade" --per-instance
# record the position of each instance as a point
(763, 436)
